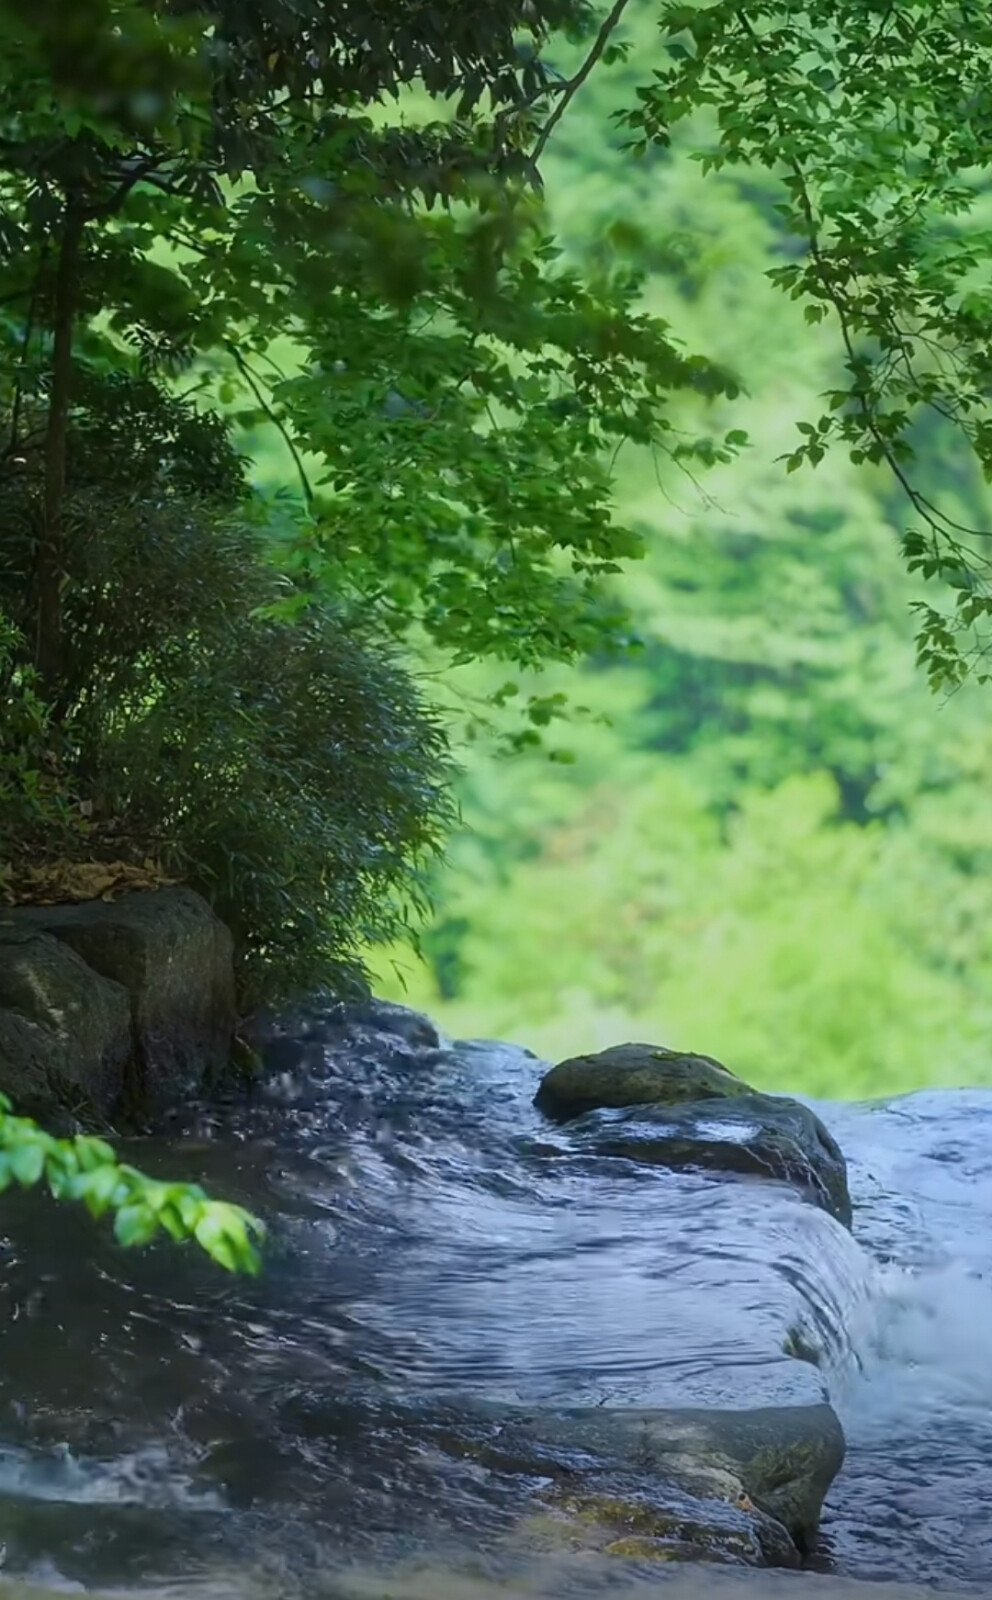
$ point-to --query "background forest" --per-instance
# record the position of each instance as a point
(762, 836)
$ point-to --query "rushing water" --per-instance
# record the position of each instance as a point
(919, 1417)
(435, 1244)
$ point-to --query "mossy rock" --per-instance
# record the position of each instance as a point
(665, 1524)
(633, 1075)
(758, 1474)
(784, 1457)
(635, 1547)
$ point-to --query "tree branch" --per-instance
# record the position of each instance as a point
(572, 87)
(140, 170)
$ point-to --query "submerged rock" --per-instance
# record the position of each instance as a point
(385, 1016)
(382, 1029)
(671, 1525)
(740, 1486)
(672, 1109)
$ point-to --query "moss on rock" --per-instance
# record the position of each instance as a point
(633, 1075)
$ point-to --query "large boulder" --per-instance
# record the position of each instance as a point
(66, 1031)
(173, 958)
(757, 1135)
(674, 1109)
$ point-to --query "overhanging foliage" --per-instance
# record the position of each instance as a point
(877, 120)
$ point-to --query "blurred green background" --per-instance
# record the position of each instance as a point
(763, 837)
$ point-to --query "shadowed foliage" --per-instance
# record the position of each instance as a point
(288, 770)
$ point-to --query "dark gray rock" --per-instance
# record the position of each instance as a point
(385, 1016)
(41, 1078)
(347, 1025)
(677, 1110)
(755, 1134)
(174, 959)
(64, 1025)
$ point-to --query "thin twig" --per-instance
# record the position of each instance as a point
(255, 386)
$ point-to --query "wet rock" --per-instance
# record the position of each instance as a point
(173, 958)
(754, 1134)
(345, 1027)
(412, 1027)
(784, 1457)
(639, 1547)
(66, 1032)
(687, 1476)
(650, 1104)
(669, 1525)
(633, 1075)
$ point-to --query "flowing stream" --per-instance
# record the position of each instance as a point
(434, 1246)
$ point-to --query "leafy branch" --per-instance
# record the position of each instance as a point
(86, 1169)
(877, 127)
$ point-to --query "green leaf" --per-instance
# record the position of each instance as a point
(222, 1233)
(27, 1162)
(135, 1224)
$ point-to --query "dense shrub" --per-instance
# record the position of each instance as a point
(36, 809)
(287, 769)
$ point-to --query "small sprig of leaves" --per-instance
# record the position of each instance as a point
(86, 1168)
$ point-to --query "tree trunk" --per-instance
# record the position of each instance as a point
(50, 556)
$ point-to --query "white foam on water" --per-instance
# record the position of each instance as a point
(923, 1348)
(139, 1478)
(922, 1337)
